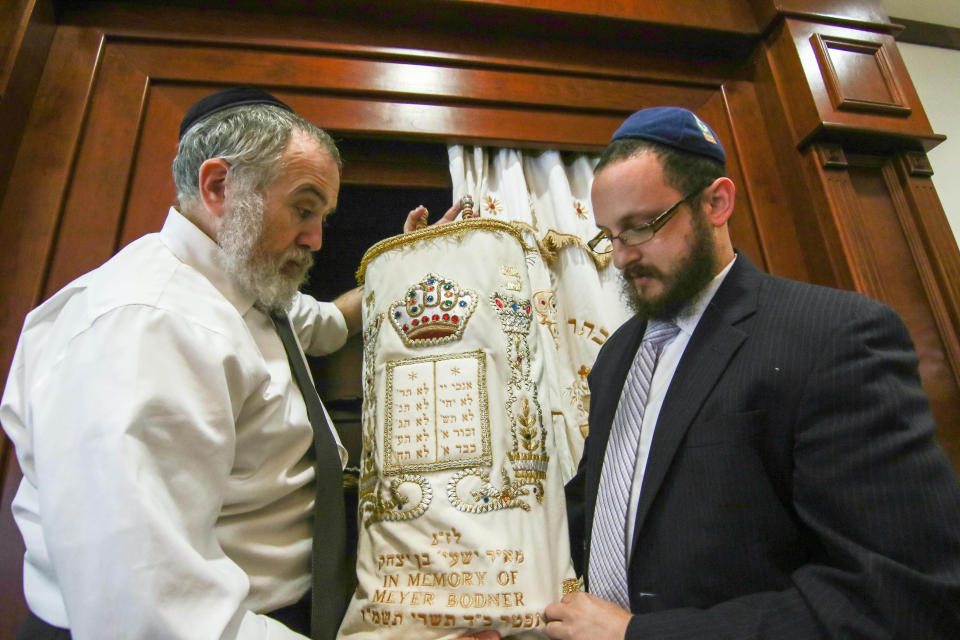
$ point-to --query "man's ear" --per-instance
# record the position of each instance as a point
(719, 200)
(213, 185)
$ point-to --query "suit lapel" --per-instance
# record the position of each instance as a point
(713, 343)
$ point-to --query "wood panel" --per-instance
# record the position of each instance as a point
(26, 30)
(847, 84)
(144, 87)
(931, 243)
(442, 33)
(762, 191)
(862, 14)
(873, 224)
(727, 15)
(14, 21)
(47, 150)
(28, 223)
(743, 222)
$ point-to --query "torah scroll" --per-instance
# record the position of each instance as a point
(462, 523)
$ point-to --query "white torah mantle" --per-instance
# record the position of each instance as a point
(462, 519)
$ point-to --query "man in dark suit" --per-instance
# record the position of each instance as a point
(761, 460)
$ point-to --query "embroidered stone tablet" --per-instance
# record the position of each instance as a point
(459, 488)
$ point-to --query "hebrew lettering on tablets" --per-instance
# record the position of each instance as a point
(436, 414)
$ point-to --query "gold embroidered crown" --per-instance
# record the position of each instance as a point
(433, 311)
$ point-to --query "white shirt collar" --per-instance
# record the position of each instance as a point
(196, 249)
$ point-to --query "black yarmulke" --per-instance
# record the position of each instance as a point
(226, 99)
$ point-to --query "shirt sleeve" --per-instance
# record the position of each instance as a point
(320, 326)
(134, 439)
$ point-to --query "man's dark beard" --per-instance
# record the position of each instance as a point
(694, 274)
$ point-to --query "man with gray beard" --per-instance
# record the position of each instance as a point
(167, 451)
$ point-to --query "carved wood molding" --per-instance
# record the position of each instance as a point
(887, 234)
(883, 97)
(831, 156)
(928, 34)
(858, 246)
(930, 239)
(916, 163)
(844, 85)
(470, 45)
(858, 14)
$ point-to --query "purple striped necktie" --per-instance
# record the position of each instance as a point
(608, 546)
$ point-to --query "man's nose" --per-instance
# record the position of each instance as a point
(311, 235)
(623, 254)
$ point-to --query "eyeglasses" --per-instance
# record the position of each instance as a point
(603, 241)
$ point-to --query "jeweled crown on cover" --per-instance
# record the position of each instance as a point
(434, 309)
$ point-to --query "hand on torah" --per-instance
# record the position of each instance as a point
(417, 218)
(580, 615)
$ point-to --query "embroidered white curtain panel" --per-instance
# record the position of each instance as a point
(577, 294)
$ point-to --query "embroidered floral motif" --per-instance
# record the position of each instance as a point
(395, 507)
(581, 209)
(433, 311)
(487, 497)
(492, 206)
(367, 500)
(579, 392)
(545, 304)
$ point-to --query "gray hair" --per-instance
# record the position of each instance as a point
(251, 138)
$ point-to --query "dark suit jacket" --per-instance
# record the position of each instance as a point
(793, 488)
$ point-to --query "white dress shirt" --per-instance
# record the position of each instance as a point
(167, 485)
(687, 320)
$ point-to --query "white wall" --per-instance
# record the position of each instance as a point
(945, 12)
(936, 75)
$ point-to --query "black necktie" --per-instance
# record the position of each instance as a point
(331, 573)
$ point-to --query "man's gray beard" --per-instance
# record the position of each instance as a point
(254, 271)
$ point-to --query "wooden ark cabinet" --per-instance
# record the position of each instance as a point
(825, 134)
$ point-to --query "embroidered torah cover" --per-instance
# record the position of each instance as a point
(461, 510)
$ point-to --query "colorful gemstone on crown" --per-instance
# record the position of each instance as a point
(514, 314)
(425, 313)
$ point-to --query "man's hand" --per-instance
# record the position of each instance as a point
(417, 218)
(582, 616)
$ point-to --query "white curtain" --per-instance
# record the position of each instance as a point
(577, 293)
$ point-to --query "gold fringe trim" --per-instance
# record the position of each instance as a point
(553, 241)
(458, 228)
